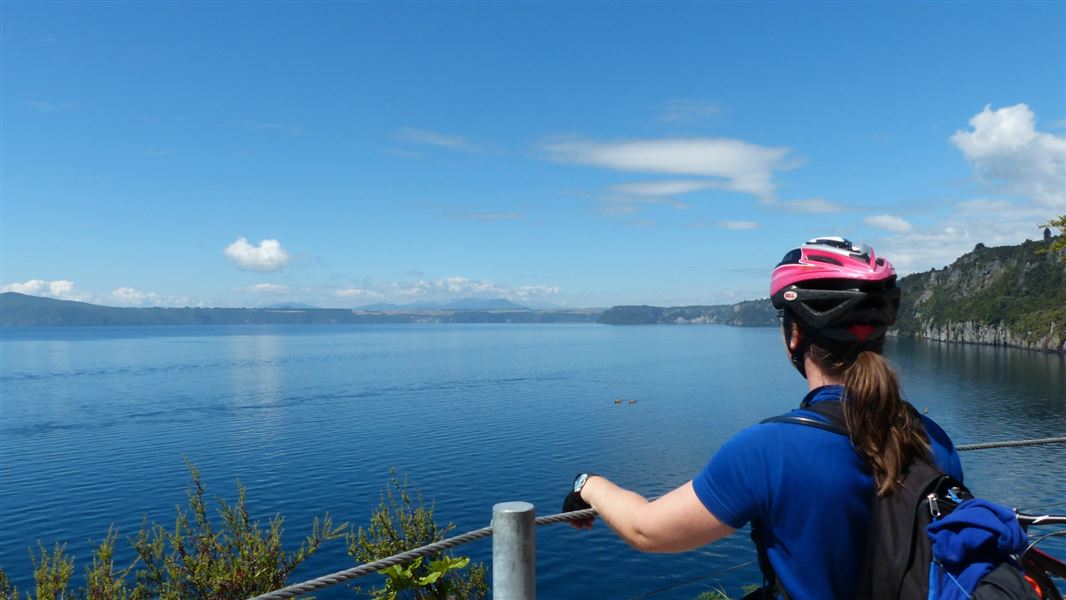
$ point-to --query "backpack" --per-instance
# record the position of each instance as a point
(902, 561)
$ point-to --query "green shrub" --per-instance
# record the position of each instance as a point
(233, 557)
(402, 522)
(242, 558)
(7, 591)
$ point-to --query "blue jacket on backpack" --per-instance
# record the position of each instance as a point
(968, 543)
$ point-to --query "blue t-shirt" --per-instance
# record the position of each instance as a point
(811, 493)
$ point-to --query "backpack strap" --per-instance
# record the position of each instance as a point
(772, 589)
(832, 411)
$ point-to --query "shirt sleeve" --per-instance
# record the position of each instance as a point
(735, 486)
(944, 453)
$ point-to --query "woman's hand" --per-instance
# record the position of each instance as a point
(574, 501)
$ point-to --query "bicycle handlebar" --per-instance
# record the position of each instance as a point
(1027, 519)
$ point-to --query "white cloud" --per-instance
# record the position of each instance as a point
(267, 288)
(741, 167)
(60, 288)
(432, 138)
(664, 188)
(359, 293)
(486, 216)
(888, 223)
(992, 223)
(738, 225)
(457, 287)
(127, 296)
(981, 206)
(267, 256)
(1010, 156)
(626, 205)
(123, 296)
(289, 129)
(687, 111)
(404, 153)
(1008, 153)
(46, 106)
(525, 292)
(815, 206)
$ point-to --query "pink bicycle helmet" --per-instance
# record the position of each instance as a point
(840, 290)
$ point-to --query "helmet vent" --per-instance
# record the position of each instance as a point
(792, 258)
(825, 259)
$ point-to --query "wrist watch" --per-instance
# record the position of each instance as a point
(580, 480)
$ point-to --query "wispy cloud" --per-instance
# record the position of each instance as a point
(687, 112)
(737, 165)
(749, 271)
(358, 294)
(266, 257)
(403, 153)
(289, 129)
(664, 188)
(814, 206)
(47, 107)
(614, 205)
(449, 288)
(487, 217)
(888, 223)
(426, 137)
(266, 288)
(730, 225)
(738, 225)
(1008, 154)
(457, 287)
(983, 207)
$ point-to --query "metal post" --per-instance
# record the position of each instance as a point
(514, 569)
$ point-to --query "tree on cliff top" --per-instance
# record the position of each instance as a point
(1060, 243)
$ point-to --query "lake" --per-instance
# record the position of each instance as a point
(96, 423)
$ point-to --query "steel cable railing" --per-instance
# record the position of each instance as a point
(318, 583)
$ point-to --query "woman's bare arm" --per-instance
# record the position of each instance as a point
(675, 522)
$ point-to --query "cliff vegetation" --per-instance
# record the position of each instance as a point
(1004, 296)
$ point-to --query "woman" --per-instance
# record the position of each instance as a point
(807, 491)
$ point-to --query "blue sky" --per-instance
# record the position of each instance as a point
(340, 154)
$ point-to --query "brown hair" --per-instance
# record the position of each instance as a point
(885, 430)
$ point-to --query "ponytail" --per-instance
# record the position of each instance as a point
(885, 430)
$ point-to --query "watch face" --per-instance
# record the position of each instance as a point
(580, 482)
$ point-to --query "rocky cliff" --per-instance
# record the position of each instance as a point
(1004, 296)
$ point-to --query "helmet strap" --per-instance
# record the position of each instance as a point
(798, 353)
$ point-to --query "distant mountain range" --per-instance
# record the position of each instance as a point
(460, 304)
(750, 313)
(1008, 296)
(20, 310)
